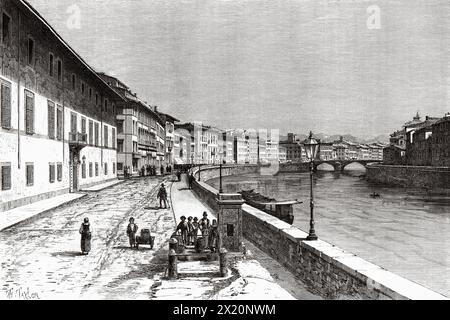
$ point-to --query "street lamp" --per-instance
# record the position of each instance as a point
(220, 176)
(311, 147)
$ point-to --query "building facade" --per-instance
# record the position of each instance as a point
(57, 129)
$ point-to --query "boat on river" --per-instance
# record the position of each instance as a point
(281, 209)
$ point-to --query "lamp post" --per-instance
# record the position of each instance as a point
(311, 146)
(220, 176)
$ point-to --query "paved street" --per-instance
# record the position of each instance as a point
(43, 256)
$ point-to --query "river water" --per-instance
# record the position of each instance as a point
(406, 231)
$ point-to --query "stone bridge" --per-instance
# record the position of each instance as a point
(339, 165)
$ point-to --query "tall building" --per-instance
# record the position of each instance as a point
(58, 130)
(137, 131)
(169, 138)
(293, 148)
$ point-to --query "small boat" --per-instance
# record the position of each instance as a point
(375, 195)
(280, 209)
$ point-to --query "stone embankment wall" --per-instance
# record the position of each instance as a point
(409, 176)
(327, 269)
(294, 167)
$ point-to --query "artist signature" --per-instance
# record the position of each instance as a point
(21, 294)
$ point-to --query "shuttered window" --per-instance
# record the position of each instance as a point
(96, 134)
(6, 176)
(73, 122)
(105, 138)
(114, 168)
(30, 174)
(106, 169)
(83, 125)
(113, 137)
(51, 172)
(96, 169)
(59, 123)
(29, 112)
(59, 171)
(90, 169)
(5, 110)
(51, 119)
(91, 132)
(83, 170)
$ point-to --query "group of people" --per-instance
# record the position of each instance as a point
(190, 228)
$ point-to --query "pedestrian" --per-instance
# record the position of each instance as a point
(213, 236)
(178, 175)
(162, 195)
(191, 180)
(190, 231)
(162, 170)
(86, 235)
(131, 232)
(195, 226)
(204, 228)
(183, 227)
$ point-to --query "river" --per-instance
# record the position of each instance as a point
(406, 231)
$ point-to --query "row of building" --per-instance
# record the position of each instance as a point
(336, 150)
(420, 143)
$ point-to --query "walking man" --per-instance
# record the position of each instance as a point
(162, 195)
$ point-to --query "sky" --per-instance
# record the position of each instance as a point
(330, 66)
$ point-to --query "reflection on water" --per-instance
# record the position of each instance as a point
(405, 231)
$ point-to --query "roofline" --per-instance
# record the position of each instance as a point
(38, 15)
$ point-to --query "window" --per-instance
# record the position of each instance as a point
(113, 137)
(83, 170)
(6, 176)
(96, 99)
(73, 122)
(31, 50)
(96, 169)
(119, 145)
(105, 138)
(50, 64)
(51, 119)
(51, 172)
(82, 87)
(120, 126)
(6, 29)
(59, 171)
(114, 168)
(29, 173)
(59, 67)
(90, 93)
(119, 166)
(59, 123)
(106, 105)
(91, 132)
(29, 112)
(96, 134)
(5, 101)
(74, 81)
(83, 125)
(106, 169)
(90, 170)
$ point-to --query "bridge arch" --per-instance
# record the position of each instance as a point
(360, 164)
(325, 166)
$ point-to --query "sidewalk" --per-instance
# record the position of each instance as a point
(258, 276)
(101, 186)
(14, 216)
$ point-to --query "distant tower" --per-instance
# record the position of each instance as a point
(417, 117)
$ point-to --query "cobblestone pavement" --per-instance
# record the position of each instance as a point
(41, 258)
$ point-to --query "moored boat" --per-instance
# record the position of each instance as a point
(282, 210)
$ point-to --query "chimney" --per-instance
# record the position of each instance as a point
(156, 108)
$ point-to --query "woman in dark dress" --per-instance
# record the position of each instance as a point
(86, 234)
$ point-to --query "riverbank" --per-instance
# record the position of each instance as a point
(410, 176)
(363, 286)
